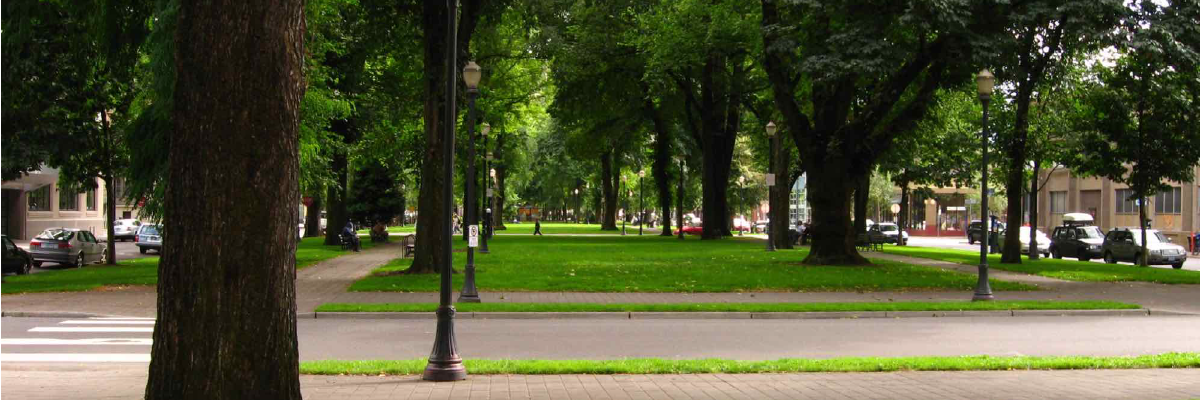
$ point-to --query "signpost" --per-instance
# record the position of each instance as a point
(473, 236)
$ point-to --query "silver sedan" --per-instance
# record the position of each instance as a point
(72, 247)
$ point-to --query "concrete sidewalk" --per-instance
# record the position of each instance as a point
(128, 382)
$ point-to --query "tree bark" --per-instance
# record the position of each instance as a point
(829, 194)
(312, 218)
(903, 217)
(110, 208)
(1033, 209)
(1017, 157)
(226, 315)
(861, 195)
(335, 212)
(662, 160)
(780, 198)
(501, 174)
(608, 186)
(720, 114)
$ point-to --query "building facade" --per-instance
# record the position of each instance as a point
(35, 202)
(1175, 212)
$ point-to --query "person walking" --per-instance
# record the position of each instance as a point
(537, 226)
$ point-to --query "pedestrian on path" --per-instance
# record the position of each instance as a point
(537, 226)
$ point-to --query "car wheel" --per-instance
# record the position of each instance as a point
(79, 260)
(1108, 258)
(1054, 253)
(142, 249)
(970, 240)
(1177, 266)
(37, 264)
(104, 257)
(1137, 260)
(1084, 259)
(29, 267)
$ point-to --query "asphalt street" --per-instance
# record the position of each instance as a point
(960, 243)
(125, 250)
(128, 340)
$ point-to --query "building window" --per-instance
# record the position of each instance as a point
(68, 200)
(1058, 202)
(1125, 203)
(1169, 201)
(91, 199)
(39, 199)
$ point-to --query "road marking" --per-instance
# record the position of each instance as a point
(89, 329)
(76, 342)
(49, 357)
(122, 318)
(109, 322)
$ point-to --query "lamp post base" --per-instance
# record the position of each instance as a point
(469, 293)
(983, 289)
(983, 297)
(445, 364)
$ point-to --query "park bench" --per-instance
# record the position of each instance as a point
(869, 242)
(346, 240)
(408, 245)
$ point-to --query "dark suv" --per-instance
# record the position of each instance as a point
(975, 231)
(1126, 245)
(1082, 242)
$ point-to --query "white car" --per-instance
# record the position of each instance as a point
(1043, 241)
(125, 229)
(890, 231)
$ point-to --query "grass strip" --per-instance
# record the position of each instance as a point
(1072, 270)
(140, 271)
(786, 365)
(656, 264)
(736, 307)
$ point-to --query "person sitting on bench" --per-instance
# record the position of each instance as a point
(350, 236)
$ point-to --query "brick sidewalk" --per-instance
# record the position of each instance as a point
(128, 382)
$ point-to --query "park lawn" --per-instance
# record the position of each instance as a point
(138, 271)
(736, 307)
(555, 228)
(664, 264)
(1071, 270)
(785, 365)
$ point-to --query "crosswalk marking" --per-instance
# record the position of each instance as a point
(89, 329)
(108, 322)
(76, 342)
(67, 357)
(121, 318)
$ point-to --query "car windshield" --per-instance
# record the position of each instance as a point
(1088, 232)
(55, 234)
(150, 229)
(888, 228)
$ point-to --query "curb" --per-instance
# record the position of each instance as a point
(747, 315)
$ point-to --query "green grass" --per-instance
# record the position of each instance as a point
(786, 365)
(657, 264)
(735, 307)
(526, 228)
(1072, 270)
(138, 271)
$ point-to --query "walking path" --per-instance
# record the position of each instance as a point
(327, 282)
(128, 382)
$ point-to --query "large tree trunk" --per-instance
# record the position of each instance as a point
(312, 218)
(662, 160)
(780, 198)
(1017, 157)
(608, 182)
(433, 209)
(110, 208)
(719, 123)
(829, 194)
(903, 217)
(335, 212)
(501, 174)
(861, 195)
(1033, 210)
(226, 318)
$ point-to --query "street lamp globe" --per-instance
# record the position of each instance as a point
(641, 174)
(771, 128)
(471, 75)
(986, 83)
(486, 126)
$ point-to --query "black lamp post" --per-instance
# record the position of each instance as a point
(444, 362)
(641, 202)
(742, 197)
(470, 294)
(985, 82)
(771, 128)
(679, 207)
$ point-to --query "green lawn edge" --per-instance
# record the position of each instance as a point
(736, 307)
(786, 365)
(1072, 270)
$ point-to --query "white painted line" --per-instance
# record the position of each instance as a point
(109, 322)
(89, 329)
(76, 342)
(47, 357)
(131, 318)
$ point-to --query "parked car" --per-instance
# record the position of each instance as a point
(761, 225)
(892, 233)
(740, 224)
(1077, 238)
(693, 229)
(1043, 241)
(149, 237)
(975, 231)
(125, 229)
(73, 247)
(16, 259)
(1126, 245)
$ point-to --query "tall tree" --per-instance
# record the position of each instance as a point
(848, 78)
(1139, 124)
(223, 310)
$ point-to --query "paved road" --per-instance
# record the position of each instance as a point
(960, 243)
(127, 340)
